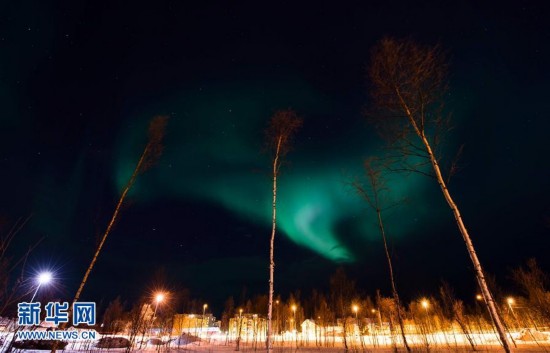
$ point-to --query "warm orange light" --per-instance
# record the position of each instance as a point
(510, 300)
(159, 297)
(294, 308)
(424, 303)
(479, 297)
(355, 309)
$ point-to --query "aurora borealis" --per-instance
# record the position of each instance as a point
(315, 195)
(80, 81)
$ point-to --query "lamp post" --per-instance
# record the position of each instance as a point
(355, 310)
(277, 319)
(158, 299)
(202, 320)
(510, 301)
(425, 305)
(294, 316)
(43, 278)
(240, 327)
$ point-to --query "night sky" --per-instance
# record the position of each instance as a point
(79, 82)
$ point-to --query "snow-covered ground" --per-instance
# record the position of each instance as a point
(444, 343)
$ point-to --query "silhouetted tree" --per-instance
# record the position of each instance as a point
(11, 289)
(282, 127)
(151, 153)
(112, 317)
(408, 85)
(228, 313)
(454, 310)
(374, 194)
(534, 283)
(342, 291)
(149, 156)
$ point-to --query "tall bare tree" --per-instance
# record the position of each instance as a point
(151, 153)
(282, 128)
(373, 193)
(408, 84)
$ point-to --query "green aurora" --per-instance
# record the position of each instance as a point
(213, 152)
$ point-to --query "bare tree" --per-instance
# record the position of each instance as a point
(11, 288)
(282, 128)
(454, 309)
(408, 85)
(533, 282)
(342, 291)
(151, 153)
(374, 194)
(113, 317)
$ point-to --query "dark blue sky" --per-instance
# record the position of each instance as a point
(79, 80)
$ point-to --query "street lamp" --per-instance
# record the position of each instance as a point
(355, 310)
(294, 316)
(425, 305)
(239, 328)
(479, 297)
(202, 320)
(278, 330)
(510, 301)
(203, 314)
(41, 279)
(159, 298)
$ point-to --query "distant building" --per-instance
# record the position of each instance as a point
(193, 324)
(248, 326)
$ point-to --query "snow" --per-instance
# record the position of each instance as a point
(295, 344)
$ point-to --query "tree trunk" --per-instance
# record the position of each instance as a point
(269, 342)
(107, 231)
(487, 296)
(393, 286)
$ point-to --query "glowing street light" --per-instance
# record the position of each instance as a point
(425, 304)
(479, 297)
(42, 279)
(510, 301)
(159, 298)
(204, 312)
(202, 319)
(355, 310)
(240, 329)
